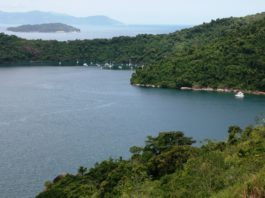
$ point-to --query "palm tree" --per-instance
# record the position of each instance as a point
(82, 170)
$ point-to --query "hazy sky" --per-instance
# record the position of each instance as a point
(143, 11)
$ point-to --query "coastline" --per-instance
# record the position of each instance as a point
(209, 89)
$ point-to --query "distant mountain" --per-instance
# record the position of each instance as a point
(38, 17)
(44, 28)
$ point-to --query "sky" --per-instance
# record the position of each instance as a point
(143, 11)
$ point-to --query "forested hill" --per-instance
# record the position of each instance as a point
(140, 49)
(169, 166)
(226, 53)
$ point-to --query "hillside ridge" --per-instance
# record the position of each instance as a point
(225, 53)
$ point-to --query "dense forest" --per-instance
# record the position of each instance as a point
(170, 166)
(225, 53)
(139, 50)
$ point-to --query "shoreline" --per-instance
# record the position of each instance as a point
(208, 89)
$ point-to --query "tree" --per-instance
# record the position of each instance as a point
(166, 140)
(82, 171)
(136, 151)
(234, 134)
(169, 161)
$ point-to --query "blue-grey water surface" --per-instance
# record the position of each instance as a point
(94, 32)
(55, 119)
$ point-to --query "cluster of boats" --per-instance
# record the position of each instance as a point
(112, 66)
(239, 94)
(128, 66)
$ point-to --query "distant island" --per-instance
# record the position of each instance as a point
(38, 17)
(45, 28)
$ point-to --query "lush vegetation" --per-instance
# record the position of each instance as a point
(226, 53)
(169, 166)
(44, 28)
(142, 49)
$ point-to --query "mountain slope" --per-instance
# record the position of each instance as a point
(38, 17)
(168, 166)
(226, 53)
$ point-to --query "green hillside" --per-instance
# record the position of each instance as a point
(169, 166)
(225, 53)
(140, 49)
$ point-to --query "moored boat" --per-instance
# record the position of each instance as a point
(239, 95)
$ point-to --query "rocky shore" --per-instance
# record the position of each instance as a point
(210, 89)
(147, 85)
(223, 90)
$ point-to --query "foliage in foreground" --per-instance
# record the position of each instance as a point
(169, 166)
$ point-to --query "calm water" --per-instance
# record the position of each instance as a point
(92, 32)
(55, 119)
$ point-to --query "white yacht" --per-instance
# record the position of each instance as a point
(85, 64)
(240, 94)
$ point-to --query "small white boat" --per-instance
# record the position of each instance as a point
(240, 95)
(85, 64)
